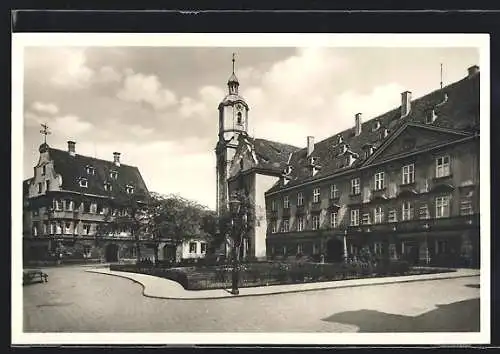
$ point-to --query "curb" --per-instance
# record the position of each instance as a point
(276, 292)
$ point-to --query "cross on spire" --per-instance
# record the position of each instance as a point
(45, 131)
(441, 75)
(234, 54)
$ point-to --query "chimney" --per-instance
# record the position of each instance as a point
(310, 145)
(357, 124)
(71, 148)
(473, 71)
(116, 158)
(405, 103)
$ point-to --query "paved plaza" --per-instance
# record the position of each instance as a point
(75, 300)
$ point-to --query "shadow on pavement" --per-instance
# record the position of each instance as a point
(476, 286)
(462, 316)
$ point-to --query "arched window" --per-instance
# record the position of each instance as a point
(239, 119)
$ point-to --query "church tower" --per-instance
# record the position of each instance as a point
(233, 121)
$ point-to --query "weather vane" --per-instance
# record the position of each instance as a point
(233, 61)
(45, 131)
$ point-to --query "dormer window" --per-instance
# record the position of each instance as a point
(113, 175)
(129, 189)
(239, 120)
(83, 183)
(108, 187)
(384, 133)
(287, 171)
(341, 140)
(376, 125)
(90, 170)
(431, 117)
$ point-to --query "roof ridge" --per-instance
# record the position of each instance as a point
(93, 158)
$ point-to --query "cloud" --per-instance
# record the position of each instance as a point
(66, 126)
(72, 72)
(139, 87)
(41, 107)
(108, 74)
(204, 105)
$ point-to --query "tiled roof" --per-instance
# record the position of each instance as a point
(72, 168)
(271, 155)
(460, 112)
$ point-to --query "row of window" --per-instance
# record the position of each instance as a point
(69, 228)
(91, 208)
(440, 247)
(407, 213)
(91, 172)
(193, 247)
(407, 173)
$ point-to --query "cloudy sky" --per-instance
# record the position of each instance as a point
(158, 105)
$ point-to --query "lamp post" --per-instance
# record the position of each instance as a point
(234, 207)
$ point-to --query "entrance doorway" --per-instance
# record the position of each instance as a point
(411, 252)
(169, 252)
(111, 253)
(334, 250)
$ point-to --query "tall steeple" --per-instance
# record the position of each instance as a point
(233, 83)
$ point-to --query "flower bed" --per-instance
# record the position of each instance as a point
(273, 273)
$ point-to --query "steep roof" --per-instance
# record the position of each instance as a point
(271, 155)
(456, 107)
(72, 168)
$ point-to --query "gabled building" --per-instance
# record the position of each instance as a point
(405, 184)
(69, 198)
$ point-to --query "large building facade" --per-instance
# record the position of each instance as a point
(68, 200)
(404, 184)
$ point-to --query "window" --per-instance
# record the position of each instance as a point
(407, 211)
(393, 215)
(113, 175)
(35, 229)
(203, 247)
(39, 187)
(466, 206)
(47, 185)
(87, 251)
(378, 248)
(315, 222)
(333, 220)
(273, 205)
(192, 247)
(86, 207)
(341, 140)
(67, 228)
(68, 205)
(315, 248)
(299, 248)
(366, 219)
(334, 192)
(238, 119)
(355, 186)
(378, 215)
(83, 183)
(442, 166)
(285, 225)
(58, 229)
(379, 181)
(441, 246)
(52, 228)
(431, 117)
(376, 125)
(408, 173)
(130, 189)
(424, 212)
(392, 251)
(284, 250)
(90, 170)
(93, 208)
(300, 199)
(57, 205)
(86, 229)
(108, 187)
(286, 202)
(442, 207)
(45, 228)
(354, 217)
(44, 170)
(300, 223)
(316, 195)
(273, 226)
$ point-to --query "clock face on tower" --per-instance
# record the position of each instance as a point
(239, 107)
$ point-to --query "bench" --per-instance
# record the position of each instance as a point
(32, 275)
